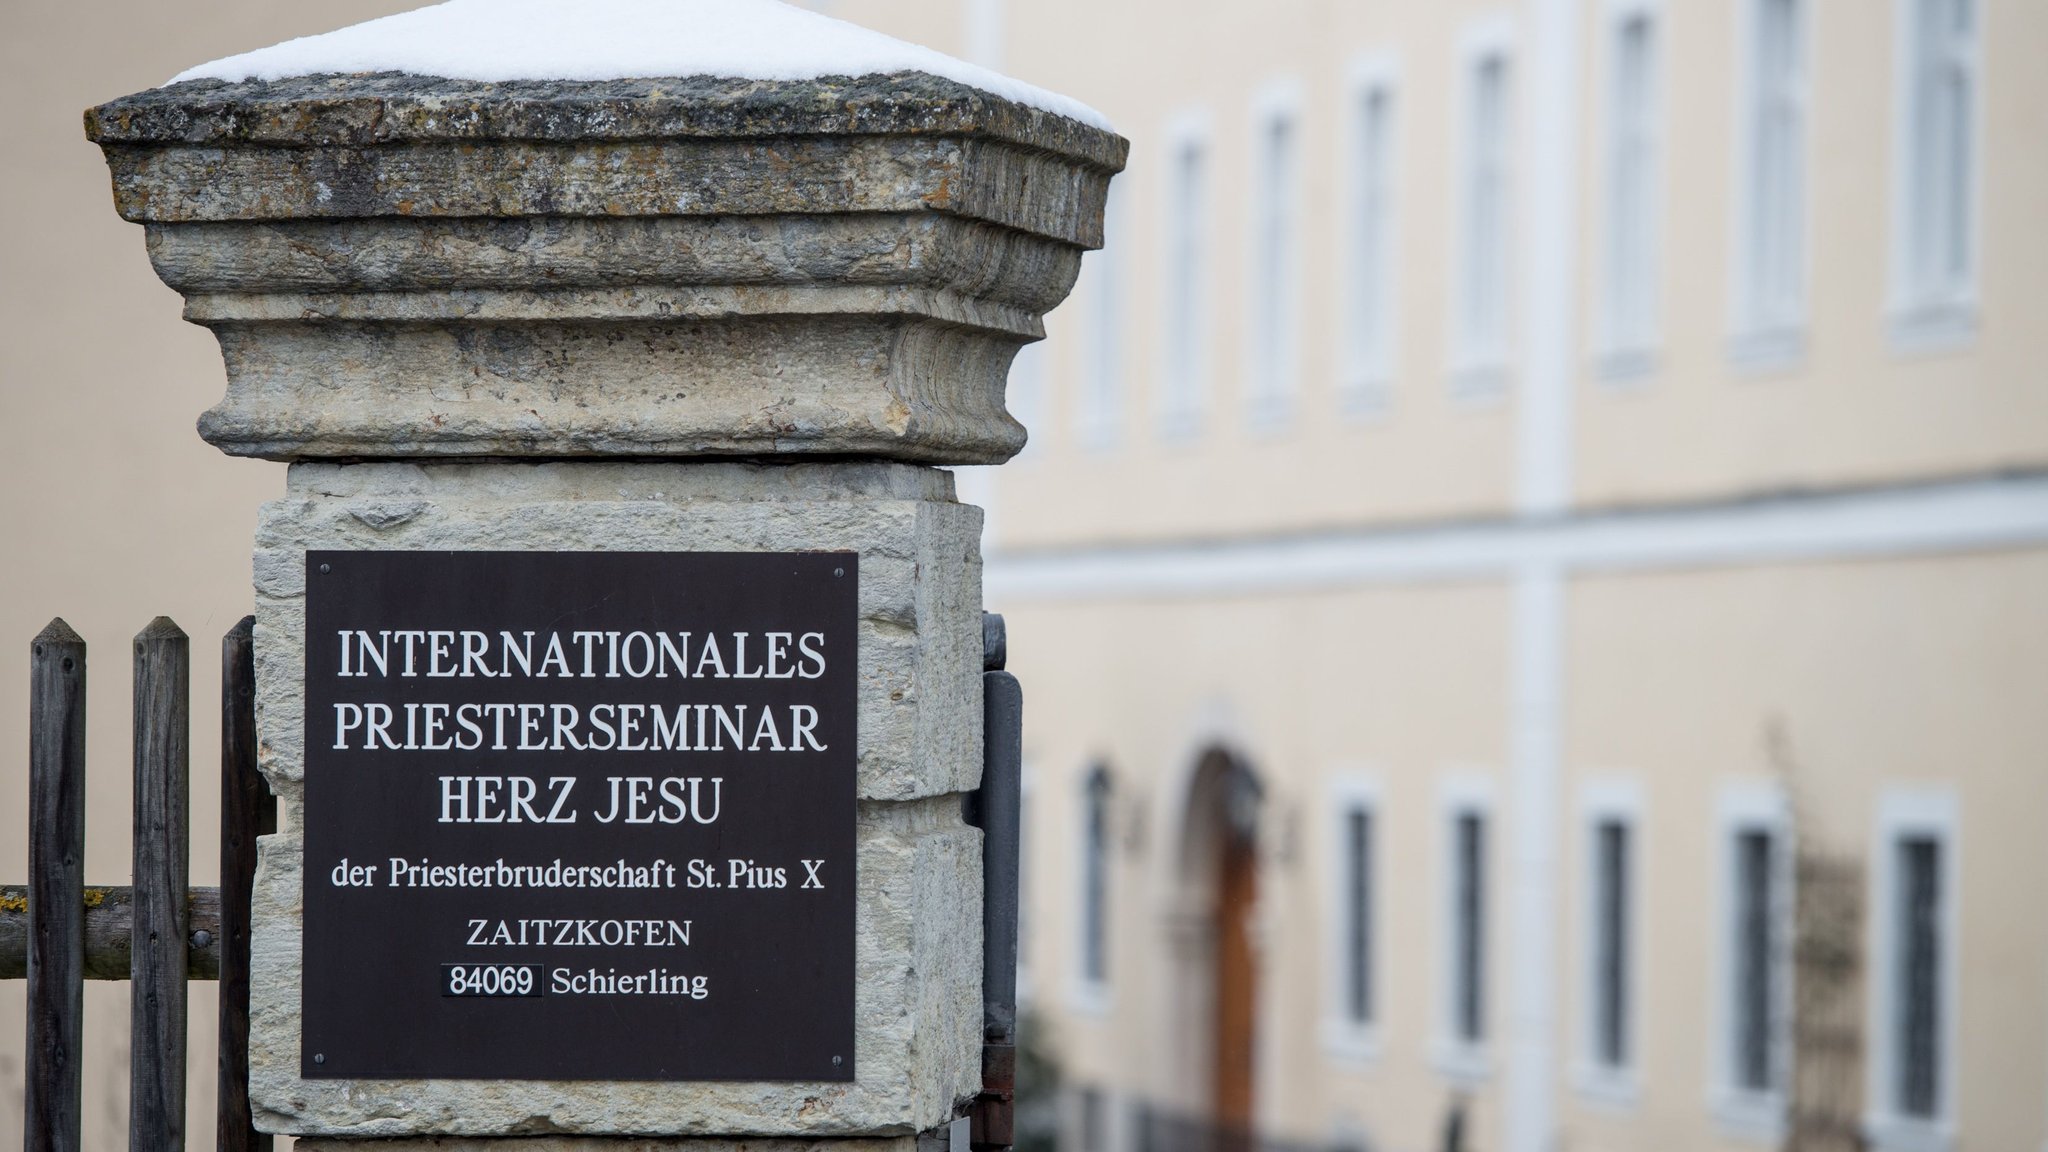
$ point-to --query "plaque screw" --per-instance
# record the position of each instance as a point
(838, 1060)
(839, 571)
(319, 1057)
(324, 569)
(202, 938)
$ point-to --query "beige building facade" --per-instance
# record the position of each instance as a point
(1576, 466)
(1541, 506)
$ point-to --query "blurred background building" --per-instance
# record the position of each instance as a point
(1530, 576)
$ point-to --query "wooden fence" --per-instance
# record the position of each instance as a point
(58, 933)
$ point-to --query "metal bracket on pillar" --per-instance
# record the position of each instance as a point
(948, 1138)
(994, 809)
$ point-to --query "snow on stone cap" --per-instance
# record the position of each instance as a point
(506, 40)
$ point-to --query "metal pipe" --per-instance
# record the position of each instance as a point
(996, 811)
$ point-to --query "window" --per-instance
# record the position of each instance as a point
(1358, 915)
(1465, 803)
(1368, 353)
(1753, 962)
(1186, 290)
(1275, 258)
(1481, 309)
(1916, 1036)
(1102, 393)
(1353, 991)
(1935, 253)
(1468, 958)
(1630, 301)
(1092, 1119)
(1611, 944)
(1610, 815)
(1094, 902)
(1773, 236)
(1753, 1043)
(1914, 971)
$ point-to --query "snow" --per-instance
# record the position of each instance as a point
(495, 40)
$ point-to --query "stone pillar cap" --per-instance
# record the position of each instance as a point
(408, 266)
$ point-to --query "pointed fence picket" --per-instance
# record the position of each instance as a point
(158, 933)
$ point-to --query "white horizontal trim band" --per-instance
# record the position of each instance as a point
(1964, 516)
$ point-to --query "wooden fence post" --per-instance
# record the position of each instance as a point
(247, 810)
(56, 887)
(156, 1100)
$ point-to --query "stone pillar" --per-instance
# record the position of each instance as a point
(687, 315)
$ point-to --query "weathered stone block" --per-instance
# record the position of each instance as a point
(917, 999)
(920, 574)
(405, 267)
(917, 1007)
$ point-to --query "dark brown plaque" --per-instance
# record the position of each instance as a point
(579, 816)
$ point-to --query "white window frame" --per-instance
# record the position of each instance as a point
(1480, 371)
(1603, 801)
(986, 27)
(1345, 1038)
(1460, 1060)
(1186, 358)
(1273, 310)
(1763, 340)
(1121, 1114)
(1089, 994)
(1349, 1133)
(1076, 1099)
(1625, 355)
(1926, 316)
(1917, 812)
(1103, 395)
(1371, 269)
(1745, 807)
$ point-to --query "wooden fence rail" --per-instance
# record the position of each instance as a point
(109, 916)
(158, 933)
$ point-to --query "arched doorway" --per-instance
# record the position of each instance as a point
(1218, 879)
